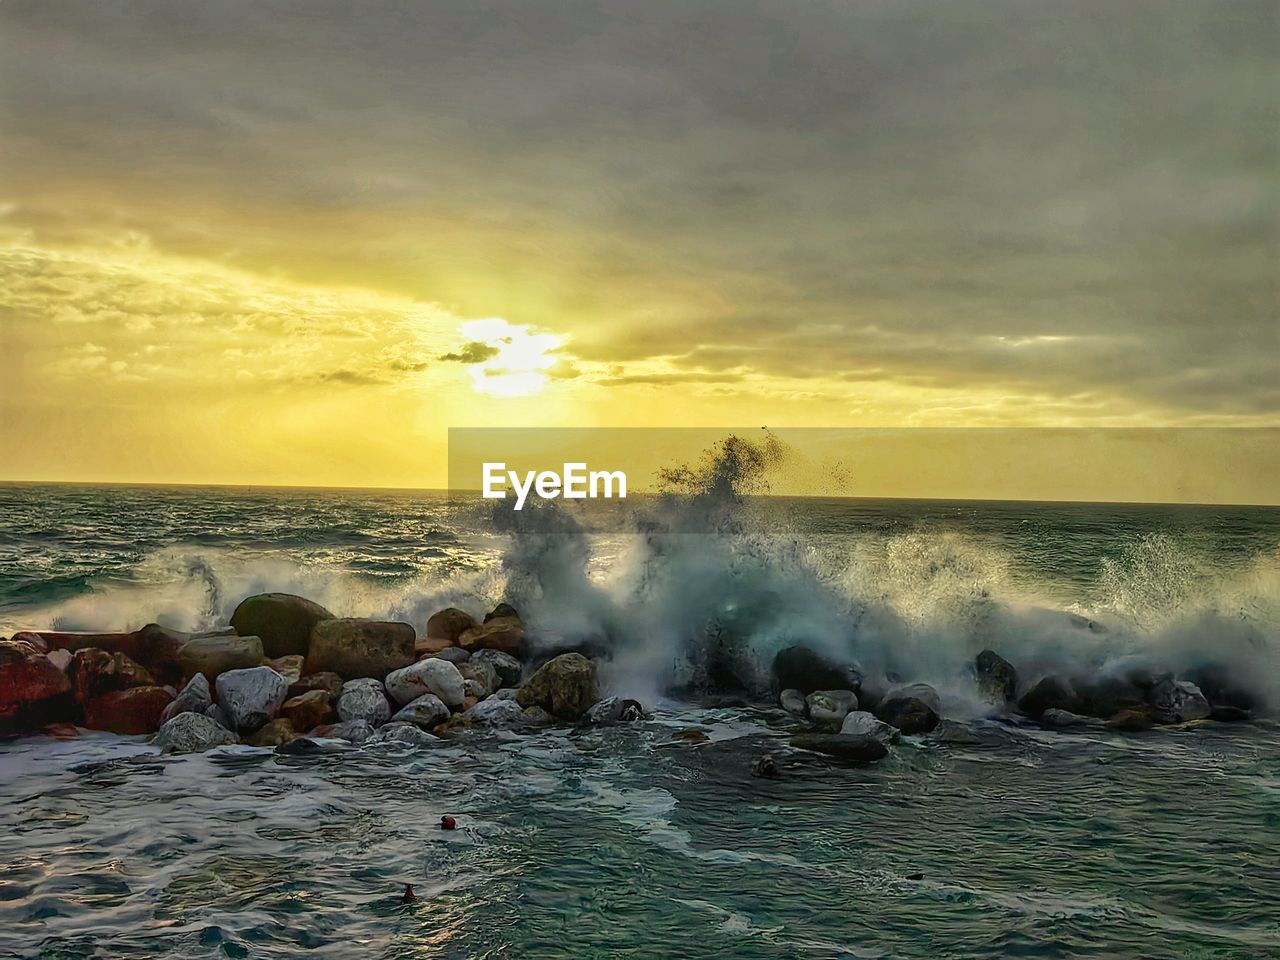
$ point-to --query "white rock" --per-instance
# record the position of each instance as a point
(405, 733)
(828, 709)
(792, 701)
(859, 723)
(431, 675)
(191, 733)
(251, 696)
(363, 699)
(426, 711)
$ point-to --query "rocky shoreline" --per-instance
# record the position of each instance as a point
(287, 673)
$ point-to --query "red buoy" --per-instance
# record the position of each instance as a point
(448, 823)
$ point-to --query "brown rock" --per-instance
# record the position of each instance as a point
(501, 610)
(430, 646)
(468, 703)
(214, 656)
(308, 710)
(289, 667)
(1132, 719)
(565, 686)
(283, 621)
(327, 681)
(94, 672)
(354, 648)
(501, 633)
(133, 711)
(449, 624)
(274, 734)
(27, 678)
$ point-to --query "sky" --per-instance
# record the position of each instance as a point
(295, 242)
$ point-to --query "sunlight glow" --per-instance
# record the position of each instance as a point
(517, 368)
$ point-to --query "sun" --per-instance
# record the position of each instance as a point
(519, 361)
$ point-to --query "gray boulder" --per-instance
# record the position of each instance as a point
(432, 675)
(506, 693)
(844, 746)
(912, 709)
(364, 699)
(474, 690)
(354, 648)
(1178, 701)
(860, 723)
(483, 673)
(426, 711)
(612, 710)
(508, 667)
(191, 733)
(403, 733)
(193, 698)
(495, 713)
(793, 702)
(251, 696)
(454, 655)
(353, 731)
(1063, 719)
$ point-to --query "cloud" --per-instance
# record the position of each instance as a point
(473, 352)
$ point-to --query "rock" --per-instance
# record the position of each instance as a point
(1222, 688)
(1105, 696)
(1226, 714)
(219, 716)
(845, 746)
(283, 622)
(909, 714)
(308, 710)
(274, 734)
(193, 698)
(505, 693)
(34, 640)
(1132, 719)
(564, 686)
(613, 710)
(251, 696)
(364, 699)
(468, 702)
(691, 735)
(455, 655)
(805, 670)
(129, 712)
(997, 679)
(766, 767)
(60, 659)
(327, 681)
(432, 675)
(426, 711)
(214, 656)
(1049, 693)
(449, 624)
(509, 669)
(501, 612)
(160, 648)
(537, 716)
(191, 733)
(27, 678)
(827, 708)
(793, 702)
(474, 691)
(951, 731)
(94, 672)
(355, 648)
(353, 731)
(496, 713)
(289, 667)
(502, 633)
(1178, 701)
(405, 733)
(1061, 719)
(860, 723)
(483, 673)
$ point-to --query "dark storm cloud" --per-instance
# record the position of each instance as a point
(1071, 197)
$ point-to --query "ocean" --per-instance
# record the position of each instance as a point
(984, 840)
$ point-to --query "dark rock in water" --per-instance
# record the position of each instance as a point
(509, 669)
(537, 716)
(919, 691)
(353, 731)
(565, 687)
(195, 697)
(799, 668)
(1230, 715)
(1050, 693)
(282, 621)
(997, 678)
(912, 709)
(766, 767)
(500, 611)
(613, 710)
(861, 723)
(1132, 719)
(842, 745)
(426, 711)
(354, 648)
(1178, 701)
(404, 733)
(27, 678)
(1222, 689)
(1105, 696)
(496, 633)
(950, 731)
(449, 624)
(327, 681)
(1061, 719)
(192, 733)
(128, 712)
(251, 697)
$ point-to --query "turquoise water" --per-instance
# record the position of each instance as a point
(984, 840)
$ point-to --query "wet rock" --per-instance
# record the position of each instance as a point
(426, 711)
(501, 633)
(283, 621)
(219, 716)
(500, 612)
(505, 693)
(1178, 701)
(449, 624)
(289, 667)
(129, 712)
(27, 678)
(250, 697)
(94, 672)
(1049, 693)
(455, 655)
(483, 673)
(468, 702)
(793, 702)
(1062, 719)
(828, 708)
(805, 670)
(432, 675)
(1105, 696)
(1132, 719)
(1223, 689)
(308, 710)
(613, 710)
(193, 698)
(1227, 714)
(364, 699)
(766, 767)
(537, 716)
(953, 732)
(429, 647)
(160, 649)
(354, 648)
(508, 668)
(353, 731)
(911, 715)
(192, 733)
(860, 723)
(474, 691)
(214, 656)
(274, 734)
(404, 733)
(854, 749)
(564, 686)
(997, 678)
(327, 681)
(496, 713)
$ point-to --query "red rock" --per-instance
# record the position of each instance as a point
(61, 731)
(27, 678)
(133, 711)
(501, 633)
(289, 666)
(34, 639)
(308, 710)
(94, 672)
